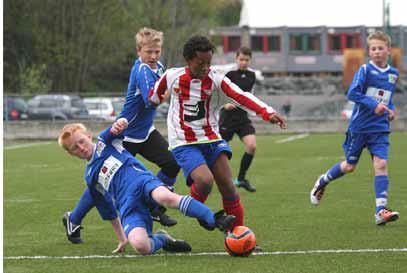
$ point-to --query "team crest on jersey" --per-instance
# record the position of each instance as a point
(392, 78)
(207, 92)
(99, 147)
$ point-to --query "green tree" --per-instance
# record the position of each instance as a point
(88, 45)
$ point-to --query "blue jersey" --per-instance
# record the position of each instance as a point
(105, 174)
(137, 110)
(371, 85)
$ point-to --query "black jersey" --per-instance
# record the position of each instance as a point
(245, 79)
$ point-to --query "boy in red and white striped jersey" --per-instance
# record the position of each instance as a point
(193, 131)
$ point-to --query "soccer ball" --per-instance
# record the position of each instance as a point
(240, 241)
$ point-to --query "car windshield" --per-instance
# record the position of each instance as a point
(96, 106)
(118, 106)
(78, 103)
(20, 104)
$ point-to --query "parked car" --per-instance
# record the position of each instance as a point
(347, 110)
(14, 108)
(104, 108)
(57, 107)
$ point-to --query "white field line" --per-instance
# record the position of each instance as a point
(292, 138)
(18, 146)
(298, 252)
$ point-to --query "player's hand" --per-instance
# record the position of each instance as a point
(120, 248)
(381, 109)
(275, 118)
(229, 106)
(166, 95)
(392, 115)
(119, 126)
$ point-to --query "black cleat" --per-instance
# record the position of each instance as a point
(205, 225)
(158, 215)
(224, 222)
(257, 249)
(245, 184)
(174, 245)
(73, 232)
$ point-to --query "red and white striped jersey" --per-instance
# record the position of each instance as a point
(193, 114)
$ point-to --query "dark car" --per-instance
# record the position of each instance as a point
(14, 108)
(57, 107)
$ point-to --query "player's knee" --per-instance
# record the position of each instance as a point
(251, 148)
(141, 245)
(349, 168)
(380, 164)
(204, 184)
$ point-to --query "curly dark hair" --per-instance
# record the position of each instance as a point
(197, 43)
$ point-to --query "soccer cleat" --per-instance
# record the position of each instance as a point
(224, 222)
(386, 215)
(73, 232)
(174, 245)
(205, 225)
(257, 249)
(158, 215)
(245, 184)
(317, 192)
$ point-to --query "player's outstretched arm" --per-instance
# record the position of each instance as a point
(275, 118)
(119, 126)
(381, 109)
(392, 115)
(118, 229)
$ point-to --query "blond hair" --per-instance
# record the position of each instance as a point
(68, 131)
(148, 36)
(379, 35)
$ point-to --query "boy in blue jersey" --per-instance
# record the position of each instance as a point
(118, 181)
(372, 91)
(140, 137)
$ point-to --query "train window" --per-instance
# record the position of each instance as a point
(314, 42)
(334, 42)
(257, 43)
(310, 43)
(296, 42)
(338, 42)
(274, 43)
(233, 43)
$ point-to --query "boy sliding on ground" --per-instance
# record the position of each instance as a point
(116, 180)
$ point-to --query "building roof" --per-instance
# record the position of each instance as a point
(310, 13)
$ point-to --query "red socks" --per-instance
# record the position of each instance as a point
(235, 208)
(197, 195)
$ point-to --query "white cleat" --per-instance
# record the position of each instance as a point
(386, 215)
(317, 192)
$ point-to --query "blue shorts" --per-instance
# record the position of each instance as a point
(377, 144)
(134, 210)
(190, 157)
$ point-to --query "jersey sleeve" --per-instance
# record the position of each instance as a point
(145, 82)
(246, 100)
(160, 86)
(107, 137)
(356, 90)
(104, 204)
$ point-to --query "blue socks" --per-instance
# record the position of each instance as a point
(157, 242)
(85, 204)
(381, 186)
(193, 208)
(332, 174)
